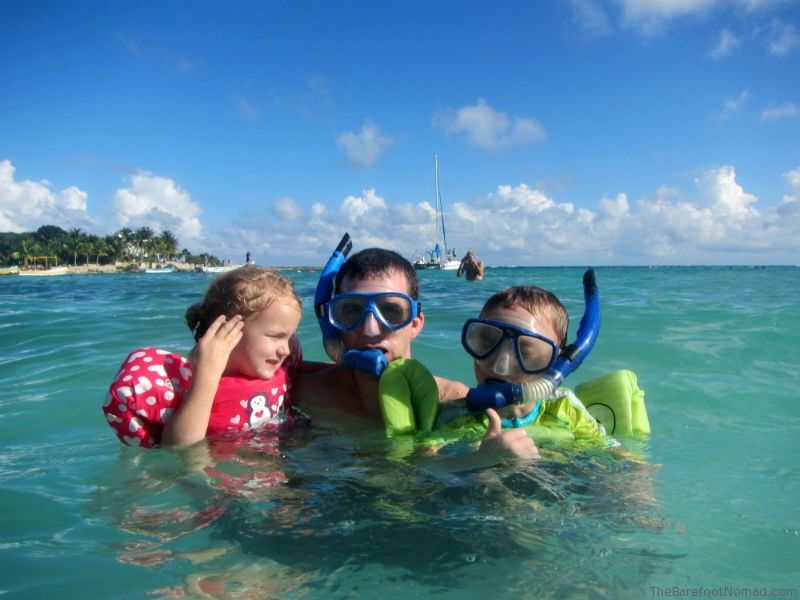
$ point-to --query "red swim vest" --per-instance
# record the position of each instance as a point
(152, 383)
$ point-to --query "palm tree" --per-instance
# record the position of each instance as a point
(169, 244)
(73, 243)
(125, 238)
(101, 248)
(143, 238)
(89, 246)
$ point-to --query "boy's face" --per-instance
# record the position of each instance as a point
(501, 365)
(370, 333)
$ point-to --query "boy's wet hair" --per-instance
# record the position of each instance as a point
(377, 261)
(540, 303)
(243, 291)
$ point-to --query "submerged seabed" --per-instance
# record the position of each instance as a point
(316, 513)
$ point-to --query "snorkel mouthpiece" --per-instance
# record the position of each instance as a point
(323, 294)
(372, 362)
(498, 395)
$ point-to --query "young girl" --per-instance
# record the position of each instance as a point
(236, 377)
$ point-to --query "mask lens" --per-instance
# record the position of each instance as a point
(535, 354)
(395, 310)
(346, 311)
(480, 339)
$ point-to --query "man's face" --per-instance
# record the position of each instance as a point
(370, 333)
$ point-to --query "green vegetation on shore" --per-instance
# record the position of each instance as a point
(77, 248)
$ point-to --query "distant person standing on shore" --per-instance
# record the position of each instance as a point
(471, 266)
(247, 258)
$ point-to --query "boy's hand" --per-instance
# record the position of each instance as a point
(506, 443)
(213, 349)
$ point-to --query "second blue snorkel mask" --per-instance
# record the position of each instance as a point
(498, 395)
(372, 362)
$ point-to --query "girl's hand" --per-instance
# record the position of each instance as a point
(508, 443)
(212, 351)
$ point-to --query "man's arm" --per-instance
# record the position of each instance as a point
(450, 389)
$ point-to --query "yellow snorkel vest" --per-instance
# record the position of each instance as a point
(409, 401)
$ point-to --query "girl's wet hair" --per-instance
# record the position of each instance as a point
(243, 291)
(540, 303)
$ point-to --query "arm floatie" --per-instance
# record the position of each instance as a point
(149, 386)
(152, 383)
(409, 397)
(617, 402)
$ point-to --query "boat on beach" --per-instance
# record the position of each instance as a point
(62, 270)
(221, 269)
(42, 266)
(9, 270)
(440, 257)
(161, 269)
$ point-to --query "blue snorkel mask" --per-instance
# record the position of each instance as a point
(372, 362)
(498, 395)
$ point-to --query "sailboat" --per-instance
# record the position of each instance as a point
(441, 257)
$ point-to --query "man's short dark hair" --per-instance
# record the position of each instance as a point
(377, 261)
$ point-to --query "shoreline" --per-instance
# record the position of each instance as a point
(123, 267)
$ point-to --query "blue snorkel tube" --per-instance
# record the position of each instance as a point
(372, 362)
(330, 335)
(498, 395)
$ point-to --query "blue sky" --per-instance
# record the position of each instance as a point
(571, 132)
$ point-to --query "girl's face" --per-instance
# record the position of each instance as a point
(265, 340)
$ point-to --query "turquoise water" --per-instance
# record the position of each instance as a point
(321, 514)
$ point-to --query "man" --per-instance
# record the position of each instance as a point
(375, 308)
(471, 267)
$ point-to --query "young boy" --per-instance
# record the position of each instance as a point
(516, 339)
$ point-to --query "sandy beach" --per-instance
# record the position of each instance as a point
(122, 267)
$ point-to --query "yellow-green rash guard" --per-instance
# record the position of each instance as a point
(562, 419)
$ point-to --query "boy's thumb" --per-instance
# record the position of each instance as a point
(495, 423)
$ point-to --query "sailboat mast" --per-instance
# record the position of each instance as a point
(438, 194)
(440, 212)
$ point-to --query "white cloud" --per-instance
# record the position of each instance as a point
(782, 38)
(717, 221)
(591, 17)
(790, 205)
(726, 44)
(788, 110)
(651, 15)
(353, 208)
(287, 208)
(488, 128)
(363, 149)
(27, 205)
(158, 203)
(733, 106)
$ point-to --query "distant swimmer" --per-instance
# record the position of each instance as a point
(471, 266)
